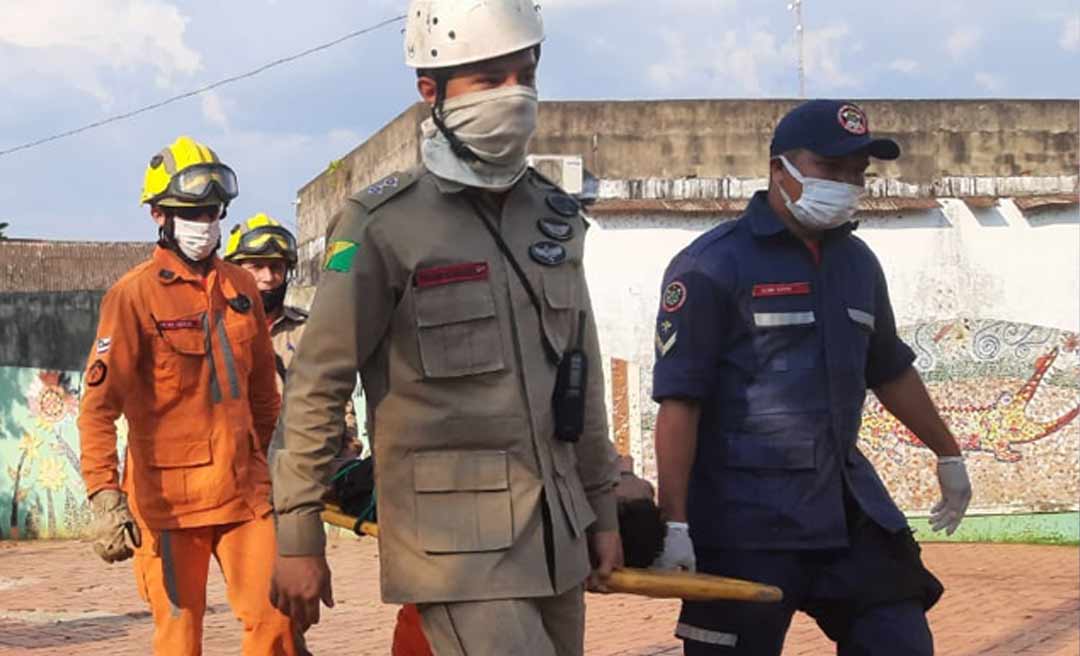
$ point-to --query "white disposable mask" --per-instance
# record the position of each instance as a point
(496, 124)
(824, 204)
(197, 239)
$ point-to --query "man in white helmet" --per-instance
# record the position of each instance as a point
(457, 290)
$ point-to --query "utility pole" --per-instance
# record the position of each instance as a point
(796, 6)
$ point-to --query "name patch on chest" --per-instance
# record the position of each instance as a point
(781, 289)
(178, 324)
(445, 275)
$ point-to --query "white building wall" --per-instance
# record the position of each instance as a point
(1005, 274)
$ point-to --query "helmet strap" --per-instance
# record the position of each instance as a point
(463, 152)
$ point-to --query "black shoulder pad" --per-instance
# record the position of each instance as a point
(383, 190)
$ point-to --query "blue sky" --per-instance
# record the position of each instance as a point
(65, 63)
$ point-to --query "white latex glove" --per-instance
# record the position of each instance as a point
(955, 494)
(678, 550)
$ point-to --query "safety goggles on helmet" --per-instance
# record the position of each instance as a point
(195, 212)
(267, 241)
(200, 182)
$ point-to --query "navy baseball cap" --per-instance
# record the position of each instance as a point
(830, 128)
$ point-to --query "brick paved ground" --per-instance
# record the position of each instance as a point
(56, 598)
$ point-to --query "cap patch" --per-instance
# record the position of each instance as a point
(853, 120)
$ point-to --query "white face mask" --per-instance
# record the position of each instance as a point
(824, 204)
(196, 239)
(496, 124)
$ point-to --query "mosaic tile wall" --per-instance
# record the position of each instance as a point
(1010, 393)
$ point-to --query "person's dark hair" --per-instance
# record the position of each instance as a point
(642, 531)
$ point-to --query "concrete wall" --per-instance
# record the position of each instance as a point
(394, 148)
(730, 138)
(989, 299)
(51, 330)
(715, 138)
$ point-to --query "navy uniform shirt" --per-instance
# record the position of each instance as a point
(779, 347)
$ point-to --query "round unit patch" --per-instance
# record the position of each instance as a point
(95, 375)
(853, 120)
(547, 253)
(555, 229)
(563, 205)
(674, 296)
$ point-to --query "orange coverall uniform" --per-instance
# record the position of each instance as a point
(188, 361)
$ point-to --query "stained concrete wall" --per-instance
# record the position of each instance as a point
(395, 147)
(49, 330)
(730, 138)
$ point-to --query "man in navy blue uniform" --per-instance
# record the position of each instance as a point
(771, 329)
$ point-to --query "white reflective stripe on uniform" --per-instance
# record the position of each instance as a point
(858, 316)
(772, 319)
(208, 342)
(697, 634)
(230, 362)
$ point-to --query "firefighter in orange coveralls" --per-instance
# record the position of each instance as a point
(184, 353)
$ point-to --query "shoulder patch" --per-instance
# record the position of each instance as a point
(371, 197)
(340, 255)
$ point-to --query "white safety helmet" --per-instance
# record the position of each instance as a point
(442, 33)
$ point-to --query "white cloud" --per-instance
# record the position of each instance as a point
(732, 61)
(962, 40)
(749, 62)
(989, 82)
(1070, 34)
(213, 109)
(822, 47)
(905, 66)
(74, 41)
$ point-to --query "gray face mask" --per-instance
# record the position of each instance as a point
(497, 125)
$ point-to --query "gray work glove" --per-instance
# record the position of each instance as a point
(113, 532)
(955, 494)
(678, 550)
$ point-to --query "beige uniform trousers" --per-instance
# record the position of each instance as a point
(539, 626)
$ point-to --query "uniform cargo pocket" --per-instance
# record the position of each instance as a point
(179, 352)
(165, 451)
(786, 340)
(560, 300)
(575, 502)
(457, 330)
(463, 501)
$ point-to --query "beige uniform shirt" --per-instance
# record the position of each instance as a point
(286, 331)
(469, 475)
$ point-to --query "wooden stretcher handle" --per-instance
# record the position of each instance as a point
(660, 584)
(665, 584)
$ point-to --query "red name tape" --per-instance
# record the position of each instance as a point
(782, 289)
(446, 275)
(178, 324)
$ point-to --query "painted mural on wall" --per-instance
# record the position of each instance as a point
(41, 491)
(1011, 394)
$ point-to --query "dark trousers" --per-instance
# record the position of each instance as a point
(871, 598)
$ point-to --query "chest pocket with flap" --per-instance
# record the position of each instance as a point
(457, 330)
